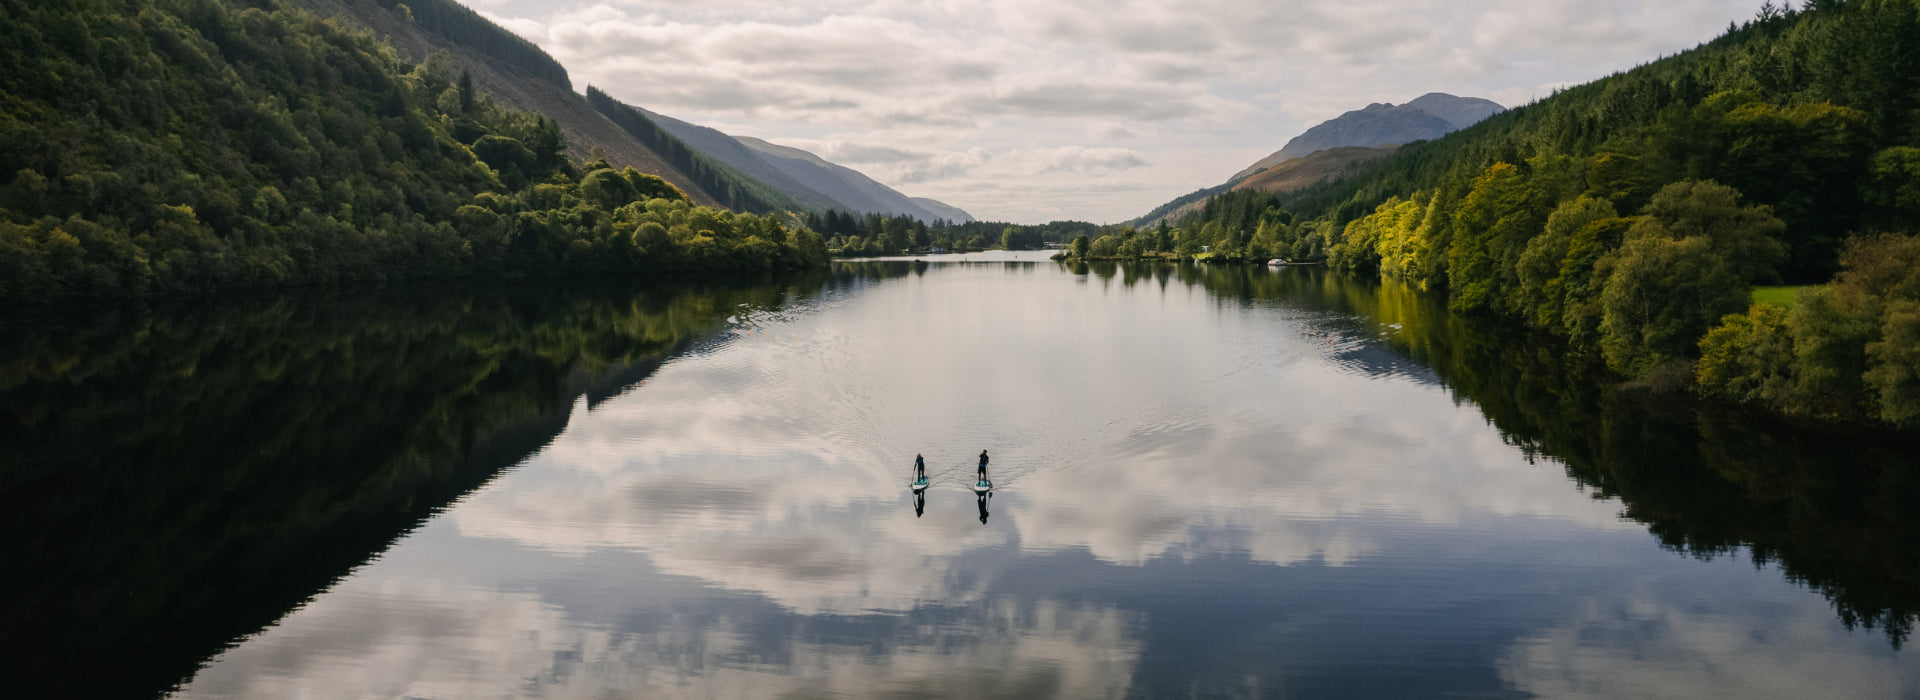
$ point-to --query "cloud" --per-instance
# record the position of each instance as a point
(1082, 100)
(841, 152)
(944, 166)
(1090, 160)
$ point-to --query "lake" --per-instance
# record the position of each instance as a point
(1209, 482)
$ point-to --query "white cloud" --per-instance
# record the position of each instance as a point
(1074, 159)
(1216, 83)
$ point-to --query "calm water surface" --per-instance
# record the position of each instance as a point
(1224, 482)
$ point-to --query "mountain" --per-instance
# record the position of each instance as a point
(1288, 176)
(943, 210)
(1427, 117)
(849, 187)
(1461, 112)
(1313, 169)
(808, 179)
(511, 70)
(1358, 137)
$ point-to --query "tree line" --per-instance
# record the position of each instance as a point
(193, 147)
(1232, 227)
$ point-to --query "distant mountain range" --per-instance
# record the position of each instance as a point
(1287, 176)
(1337, 146)
(808, 179)
(849, 187)
(713, 168)
(1427, 117)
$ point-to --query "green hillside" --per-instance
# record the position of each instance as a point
(189, 147)
(1794, 110)
(512, 71)
(1635, 213)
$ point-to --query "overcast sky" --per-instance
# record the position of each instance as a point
(1034, 110)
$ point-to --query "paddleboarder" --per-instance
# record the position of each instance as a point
(983, 465)
(919, 467)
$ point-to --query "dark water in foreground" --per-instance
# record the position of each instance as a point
(1212, 482)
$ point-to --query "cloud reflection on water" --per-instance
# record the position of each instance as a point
(740, 525)
(1645, 644)
(420, 637)
(779, 467)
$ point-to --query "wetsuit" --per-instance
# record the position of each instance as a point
(919, 467)
(983, 466)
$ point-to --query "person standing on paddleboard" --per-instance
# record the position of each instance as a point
(919, 467)
(983, 465)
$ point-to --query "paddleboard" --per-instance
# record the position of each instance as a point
(982, 486)
(920, 485)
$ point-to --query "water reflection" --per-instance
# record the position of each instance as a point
(1217, 481)
(178, 481)
(1833, 508)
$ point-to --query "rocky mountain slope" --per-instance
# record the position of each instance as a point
(808, 179)
(1426, 118)
(1289, 176)
(942, 209)
(849, 187)
(1312, 169)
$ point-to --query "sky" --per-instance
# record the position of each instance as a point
(1098, 110)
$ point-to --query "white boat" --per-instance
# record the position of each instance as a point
(1276, 262)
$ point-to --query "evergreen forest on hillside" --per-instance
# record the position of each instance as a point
(191, 147)
(1637, 214)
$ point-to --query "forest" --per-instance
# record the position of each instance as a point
(172, 148)
(1637, 215)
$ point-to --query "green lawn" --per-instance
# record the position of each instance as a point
(1783, 296)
